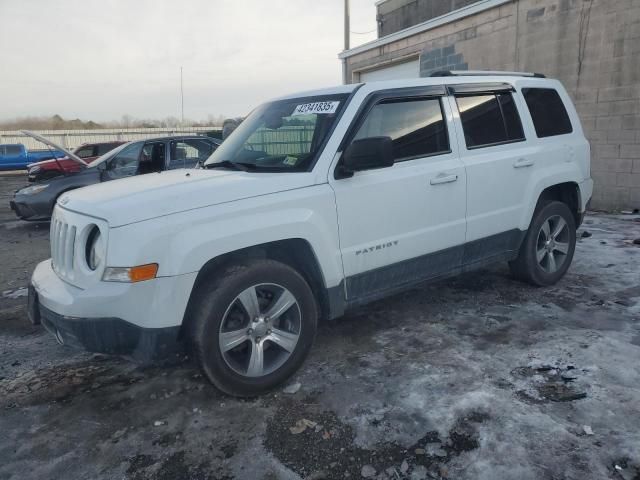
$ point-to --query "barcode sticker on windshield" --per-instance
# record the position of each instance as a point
(316, 107)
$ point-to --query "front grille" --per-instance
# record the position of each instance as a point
(63, 239)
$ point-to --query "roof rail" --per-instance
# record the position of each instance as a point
(480, 73)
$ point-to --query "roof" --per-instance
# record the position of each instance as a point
(512, 78)
(176, 137)
(453, 16)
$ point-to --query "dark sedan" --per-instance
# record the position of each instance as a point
(36, 201)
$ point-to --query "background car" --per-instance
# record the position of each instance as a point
(36, 201)
(16, 156)
(52, 168)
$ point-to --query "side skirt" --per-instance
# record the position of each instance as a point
(367, 287)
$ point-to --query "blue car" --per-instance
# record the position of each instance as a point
(16, 156)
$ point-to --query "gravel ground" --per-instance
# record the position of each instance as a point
(477, 377)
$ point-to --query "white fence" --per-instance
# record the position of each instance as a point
(72, 138)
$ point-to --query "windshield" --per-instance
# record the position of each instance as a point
(108, 155)
(286, 135)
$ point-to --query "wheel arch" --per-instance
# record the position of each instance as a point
(566, 192)
(294, 252)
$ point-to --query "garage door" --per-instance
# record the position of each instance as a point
(392, 72)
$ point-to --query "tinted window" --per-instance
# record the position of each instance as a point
(105, 147)
(187, 153)
(152, 158)
(547, 112)
(489, 119)
(12, 150)
(125, 163)
(416, 127)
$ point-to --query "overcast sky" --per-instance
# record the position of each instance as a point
(101, 59)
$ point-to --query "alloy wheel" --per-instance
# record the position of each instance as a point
(552, 246)
(260, 330)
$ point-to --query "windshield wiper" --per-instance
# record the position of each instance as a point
(244, 167)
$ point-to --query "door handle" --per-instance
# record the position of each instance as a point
(444, 178)
(523, 162)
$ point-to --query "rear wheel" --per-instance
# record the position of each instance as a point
(548, 247)
(253, 326)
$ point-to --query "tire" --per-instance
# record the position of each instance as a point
(225, 314)
(548, 247)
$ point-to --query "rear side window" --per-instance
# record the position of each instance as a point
(416, 127)
(105, 148)
(85, 152)
(549, 116)
(12, 150)
(489, 119)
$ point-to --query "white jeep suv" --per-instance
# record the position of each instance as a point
(317, 203)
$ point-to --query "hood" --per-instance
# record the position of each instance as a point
(48, 142)
(153, 195)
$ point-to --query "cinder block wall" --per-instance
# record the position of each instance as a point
(592, 46)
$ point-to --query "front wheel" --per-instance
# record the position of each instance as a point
(253, 326)
(548, 247)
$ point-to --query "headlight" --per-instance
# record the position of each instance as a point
(34, 170)
(94, 251)
(33, 189)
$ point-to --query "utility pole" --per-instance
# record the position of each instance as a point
(347, 29)
(181, 98)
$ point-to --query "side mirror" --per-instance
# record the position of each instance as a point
(367, 154)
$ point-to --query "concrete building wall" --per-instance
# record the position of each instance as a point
(592, 46)
(395, 15)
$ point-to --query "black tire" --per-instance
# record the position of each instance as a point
(213, 299)
(526, 266)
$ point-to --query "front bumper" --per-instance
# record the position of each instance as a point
(111, 335)
(31, 207)
(141, 320)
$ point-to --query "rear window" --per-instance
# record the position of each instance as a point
(549, 116)
(489, 119)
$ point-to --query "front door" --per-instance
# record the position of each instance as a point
(403, 223)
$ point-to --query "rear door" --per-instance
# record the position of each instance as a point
(403, 223)
(499, 164)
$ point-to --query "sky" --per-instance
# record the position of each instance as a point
(101, 59)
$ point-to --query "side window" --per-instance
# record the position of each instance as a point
(489, 119)
(126, 162)
(187, 153)
(416, 127)
(549, 116)
(84, 152)
(12, 150)
(152, 158)
(105, 148)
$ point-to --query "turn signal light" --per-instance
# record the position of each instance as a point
(143, 272)
(130, 274)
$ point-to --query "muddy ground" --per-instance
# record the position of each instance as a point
(478, 377)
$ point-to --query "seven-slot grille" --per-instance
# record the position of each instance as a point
(63, 239)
